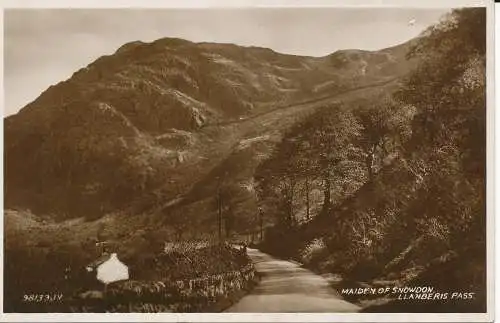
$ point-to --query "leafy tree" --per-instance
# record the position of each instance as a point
(332, 141)
(312, 153)
(448, 87)
(381, 124)
(449, 127)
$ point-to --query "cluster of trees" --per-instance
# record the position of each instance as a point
(449, 129)
(415, 159)
(333, 151)
(305, 160)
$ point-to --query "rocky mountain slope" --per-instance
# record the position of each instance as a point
(147, 123)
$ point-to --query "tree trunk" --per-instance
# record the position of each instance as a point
(308, 201)
(290, 203)
(369, 166)
(289, 212)
(261, 224)
(327, 199)
(179, 235)
(219, 214)
(369, 162)
(228, 222)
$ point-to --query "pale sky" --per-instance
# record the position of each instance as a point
(45, 46)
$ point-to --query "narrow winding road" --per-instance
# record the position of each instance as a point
(285, 287)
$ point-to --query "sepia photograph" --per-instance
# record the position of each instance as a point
(245, 160)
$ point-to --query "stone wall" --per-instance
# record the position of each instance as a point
(201, 294)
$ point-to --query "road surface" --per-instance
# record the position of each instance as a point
(285, 287)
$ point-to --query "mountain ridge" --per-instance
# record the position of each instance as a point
(146, 106)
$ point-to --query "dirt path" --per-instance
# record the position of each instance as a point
(312, 102)
(287, 288)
